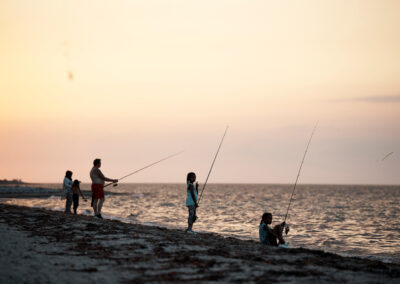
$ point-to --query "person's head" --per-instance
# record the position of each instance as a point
(266, 218)
(97, 163)
(68, 174)
(76, 183)
(191, 177)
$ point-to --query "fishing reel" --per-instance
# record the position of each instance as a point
(285, 227)
(115, 184)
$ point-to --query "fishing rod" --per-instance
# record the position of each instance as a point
(152, 164)
(384, 158)
(298, 174)
(212, 165)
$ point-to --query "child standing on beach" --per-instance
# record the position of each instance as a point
(269, 236)
(67, 191)
(76, 191)
(191, 200)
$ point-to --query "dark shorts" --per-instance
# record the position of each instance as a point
(75, 200)
(192, 214)
(97, 191)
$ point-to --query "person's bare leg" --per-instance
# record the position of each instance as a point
(100, 205)
(95, 206)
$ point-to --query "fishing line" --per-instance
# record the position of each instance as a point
(166, 158)
(212, 165)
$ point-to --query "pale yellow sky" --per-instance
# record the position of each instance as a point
(153, 77)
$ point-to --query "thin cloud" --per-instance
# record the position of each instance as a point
(379, 99)
(371, 99)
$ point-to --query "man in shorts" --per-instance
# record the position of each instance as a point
(98, 180)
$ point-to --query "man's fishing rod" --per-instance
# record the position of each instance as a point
(384, 158)
(298, 174)
(212, 165)
(152, 164)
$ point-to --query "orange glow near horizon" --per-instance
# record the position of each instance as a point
(133, 81)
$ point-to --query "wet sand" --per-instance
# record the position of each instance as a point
(44, 246)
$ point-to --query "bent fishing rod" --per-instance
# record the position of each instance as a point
(298, 174)
(141, 169)
(212, 165)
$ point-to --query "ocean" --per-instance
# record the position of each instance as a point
(350, 220)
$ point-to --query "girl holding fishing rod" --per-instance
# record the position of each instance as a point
(267, 235)
(192, 191)
(191, 200)
(270, 236)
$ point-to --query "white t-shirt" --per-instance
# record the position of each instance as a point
(97, 176)
(67, 186)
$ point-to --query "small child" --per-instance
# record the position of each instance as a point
(191, 200)
(76, 190)
(269, 236)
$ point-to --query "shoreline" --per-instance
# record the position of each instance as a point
(39, 192)
(112, 251)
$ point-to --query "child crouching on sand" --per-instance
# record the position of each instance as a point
(270, 236)
(191, 200)
(76, 191)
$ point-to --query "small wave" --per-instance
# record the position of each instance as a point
(132, 216)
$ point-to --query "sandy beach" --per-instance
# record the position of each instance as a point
(41, 246)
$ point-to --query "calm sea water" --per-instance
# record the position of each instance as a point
(345, 219)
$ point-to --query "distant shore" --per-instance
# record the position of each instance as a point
(13, 181)
(33, 191)
(48, 246)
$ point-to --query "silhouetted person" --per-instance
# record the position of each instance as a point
(98, 180)
(67, 191)
(191, 200)
(270, 236)
(76, 191)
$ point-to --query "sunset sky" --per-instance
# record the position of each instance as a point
(133, 81)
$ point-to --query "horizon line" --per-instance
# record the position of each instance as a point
(228, 183)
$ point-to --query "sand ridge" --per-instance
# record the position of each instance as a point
(81, 248)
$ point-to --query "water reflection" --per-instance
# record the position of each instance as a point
(350, 220)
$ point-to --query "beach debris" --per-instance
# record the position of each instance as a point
(93, 250)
